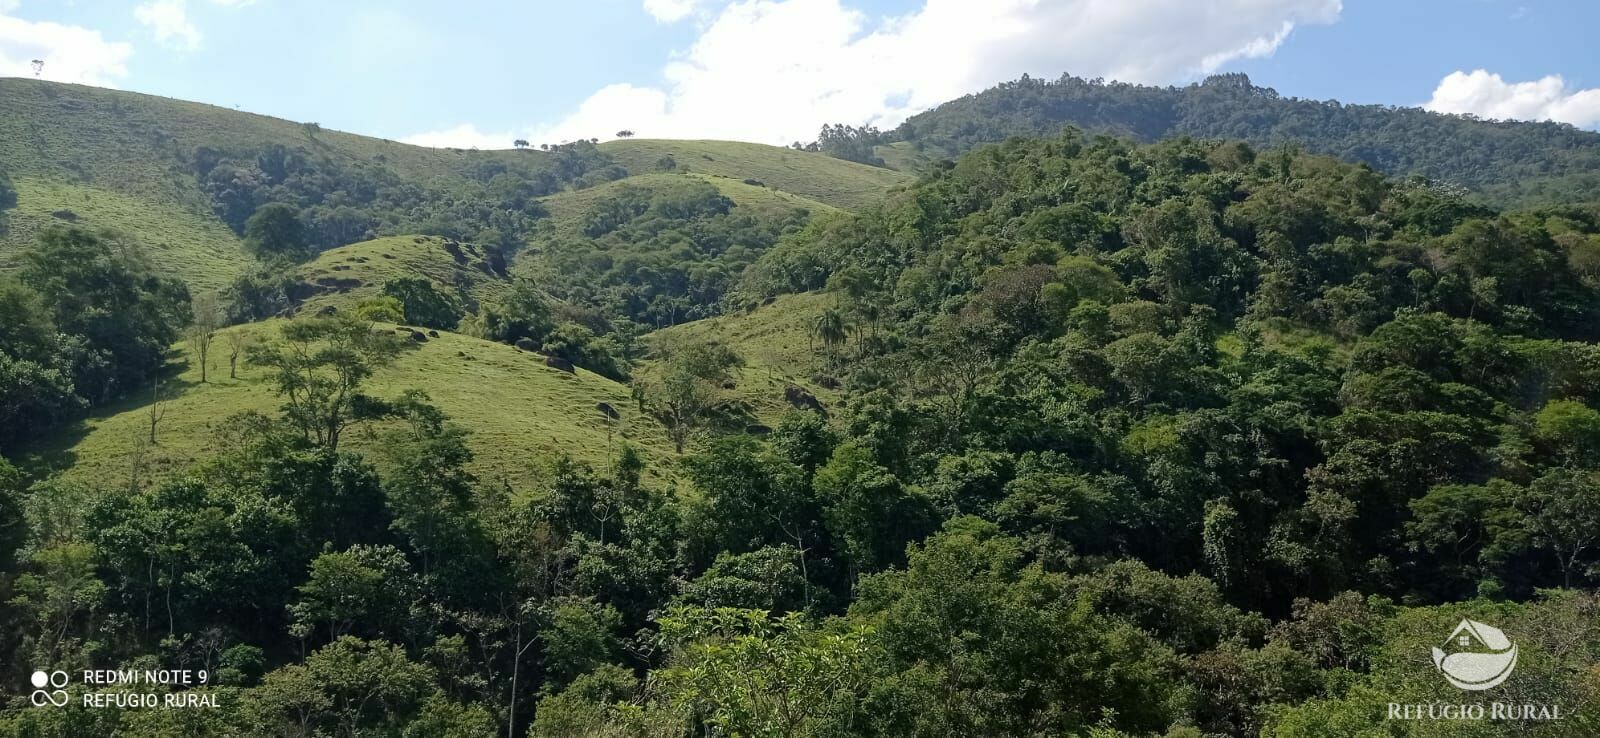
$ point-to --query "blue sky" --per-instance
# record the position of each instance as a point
(480, 72)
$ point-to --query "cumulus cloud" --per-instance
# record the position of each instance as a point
(466, 136)
(774, 71)
(671, 11)
(1488, 96)
(70, 53)
(169, 21)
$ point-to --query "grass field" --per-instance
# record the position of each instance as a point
(346, 275)
(124, 160)
(903, 156)
(773, 342)
(566, 209)
(516, 407)
(842, 184)
(179, 242)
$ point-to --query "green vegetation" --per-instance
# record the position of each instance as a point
(1071, 436)
(342, 277)
(845, 185)
(1507, 162)
(184, 177)
(537, 410)
(85, 322)
(655, 254)
(179, 242)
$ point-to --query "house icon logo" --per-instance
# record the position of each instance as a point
(1481, 656)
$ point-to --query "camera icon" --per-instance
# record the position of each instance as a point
(54, 680)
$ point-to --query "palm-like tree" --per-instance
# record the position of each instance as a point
(831, 328)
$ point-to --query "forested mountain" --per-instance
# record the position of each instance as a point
(1507, 162)
(1072, 435)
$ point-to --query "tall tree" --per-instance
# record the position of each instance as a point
(203, 329)
(275, 232)
(686, 388)
(318, 366)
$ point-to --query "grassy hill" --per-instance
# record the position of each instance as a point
(567, 209)
(773, 341)
(111, 159)
(127, 161)
(515, 406)
(178, 240)
(346, 275)
(842, 184)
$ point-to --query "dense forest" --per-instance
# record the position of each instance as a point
(1182, 439)
(1510, 162)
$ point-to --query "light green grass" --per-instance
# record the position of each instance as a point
(126, 161)
(842, 184)
(772, 339)
(346, 275)
(177, 241)
(567, 209)
(903, 156)
(516, 408)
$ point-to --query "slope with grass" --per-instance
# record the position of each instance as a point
(136, 143)
(140, 164)
(515, 407)
(842, 184)
(566, 210)
(773, 339)
(129, 161)
(342, 277)
(177, 240)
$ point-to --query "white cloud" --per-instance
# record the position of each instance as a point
(169, 20)
(465, 136)
(7, 6)
(1488, 96)
(70, 53)
(774, 71)
(671, 11)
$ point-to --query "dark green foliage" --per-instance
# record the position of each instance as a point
(1505, 161)
(850, 143)
(36, 367)
(1180, 440)
(274, 231)
(259, 293)
(524, 313)
(8, 192)
(657, 256)
(84, 322)
(423, 304)
(338, 201)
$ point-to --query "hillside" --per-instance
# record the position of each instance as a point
(181, 177)
(659, 248)
(535, 410)
(839, 183)
(566, 210)
(346, 275)
(774, 341)
(1507, 162)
